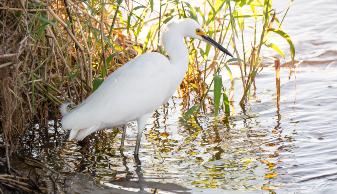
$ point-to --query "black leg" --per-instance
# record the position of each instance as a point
(123, 137)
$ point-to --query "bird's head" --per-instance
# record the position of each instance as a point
(191, 28)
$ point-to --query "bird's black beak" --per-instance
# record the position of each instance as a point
(217, 45)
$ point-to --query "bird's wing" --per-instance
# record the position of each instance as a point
(138, 87)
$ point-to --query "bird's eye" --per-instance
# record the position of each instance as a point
(199, 32)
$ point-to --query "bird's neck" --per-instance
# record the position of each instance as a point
(177, 51)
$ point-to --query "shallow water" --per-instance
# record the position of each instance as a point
(290, 150)
(261, 150)
(312, 26)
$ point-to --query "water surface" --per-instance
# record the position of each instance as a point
(260, 150)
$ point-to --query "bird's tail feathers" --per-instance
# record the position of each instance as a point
(80, 134)
(73, 134)
(64, 108)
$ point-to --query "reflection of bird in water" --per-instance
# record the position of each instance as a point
(138, 88)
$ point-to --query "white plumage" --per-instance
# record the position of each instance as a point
(138, 88)
(125, 95)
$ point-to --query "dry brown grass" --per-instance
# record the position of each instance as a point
(50, 53)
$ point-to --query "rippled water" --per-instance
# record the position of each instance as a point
(312, 26)
(261, 150)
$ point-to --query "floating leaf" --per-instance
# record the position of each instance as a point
(269, 164)
(164, 134)
(246, 161)
(268, 187)
(165, 149)
(270, 175)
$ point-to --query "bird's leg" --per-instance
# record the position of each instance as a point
(123, 137)
(141, 180)
(125, 164)
(141, 122)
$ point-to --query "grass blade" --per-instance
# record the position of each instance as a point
(191, 111)
(217, 93)
(275, 48)
(96, 83)
(287, 38)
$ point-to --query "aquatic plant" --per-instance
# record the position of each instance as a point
(248, 26)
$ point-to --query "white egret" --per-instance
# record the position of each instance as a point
(138, 88)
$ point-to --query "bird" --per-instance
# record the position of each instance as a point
(139, 87)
